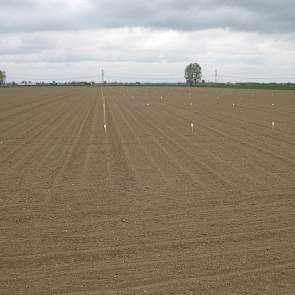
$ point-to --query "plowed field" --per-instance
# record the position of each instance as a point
(185, 191)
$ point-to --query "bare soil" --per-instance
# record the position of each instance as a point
(150, 205)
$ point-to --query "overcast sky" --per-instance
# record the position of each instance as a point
(246, 40)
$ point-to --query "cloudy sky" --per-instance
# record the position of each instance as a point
(136, 40)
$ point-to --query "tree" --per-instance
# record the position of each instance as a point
(2, 77)
(193, 73)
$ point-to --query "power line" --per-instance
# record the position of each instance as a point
(154, 77)
(53, 79)
(259, 77)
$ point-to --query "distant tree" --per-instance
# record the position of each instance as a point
(2, 77)
(193, 73)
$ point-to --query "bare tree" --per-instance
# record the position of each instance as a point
(193, 73)
(2, 78)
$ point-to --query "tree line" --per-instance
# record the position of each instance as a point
(192, 74)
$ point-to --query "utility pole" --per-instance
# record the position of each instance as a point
(216, 76)
(102, 76)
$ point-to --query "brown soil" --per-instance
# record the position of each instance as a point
(151, 206)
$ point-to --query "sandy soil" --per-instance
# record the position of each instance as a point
(151, 206)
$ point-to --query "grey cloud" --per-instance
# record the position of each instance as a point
(25, 44)
(17, 4)
(144, 45)
(266, 16)
(227, 34)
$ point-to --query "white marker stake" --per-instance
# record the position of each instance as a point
(273, 125)
(104, 118)
(104, 115)
(161, 98)
(191, 103)
(192, 127)
(233, 105)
